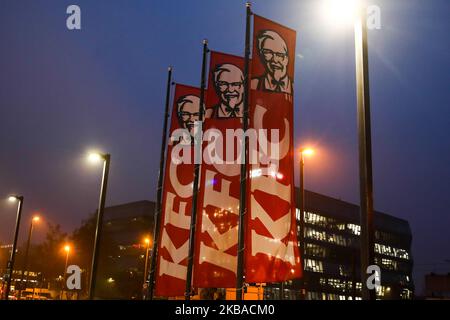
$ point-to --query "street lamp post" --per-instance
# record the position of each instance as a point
(301, 198)
(365, 151)
(355, 10)
(101, 207)
(67, 250)
(27, 250)
(147, 242)
(10, 266)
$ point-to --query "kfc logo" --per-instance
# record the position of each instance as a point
(274, 56)
(229, 87)
(188, 111)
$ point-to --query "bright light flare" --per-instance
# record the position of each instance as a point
(12, 198)
(94, 157)
(67, 248)
(36, 218)
(255, 173)
(307, 152)
(147, 241)
(340, 12)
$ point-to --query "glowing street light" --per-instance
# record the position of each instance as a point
(307, 152)
(96, 157)
(340, 12)
(353, 11)
(34, 220)
(147, 243)
(10, 266)
(67, 249)
(303, 152)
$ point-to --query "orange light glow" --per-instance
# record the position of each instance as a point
(307, 152)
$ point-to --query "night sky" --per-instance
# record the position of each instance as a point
(65, 92)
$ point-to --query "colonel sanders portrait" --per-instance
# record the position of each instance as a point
(228, 82)
(188, 111)
(273, 54)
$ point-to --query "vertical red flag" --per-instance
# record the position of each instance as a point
(217, 235)
(177, 195)
(272, 253)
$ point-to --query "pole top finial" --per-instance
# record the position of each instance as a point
(248, 4)
(169, 68)
(205, 41)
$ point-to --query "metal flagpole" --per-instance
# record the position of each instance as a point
(302, 222)
(365, 151)
(25, 263)
(157, 221)
(10, 266)
(99, 225)
(244, 172)
(198, 146)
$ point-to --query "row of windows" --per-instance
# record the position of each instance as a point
(392, 265)
(347, 286)
(313, 265)
(387, 237)
(329, 223)
(336, 239)
(315, 250)
(344, 241)
(311, 295)
(354, 229)
(339, 284)
(391, 251)
(318, 266)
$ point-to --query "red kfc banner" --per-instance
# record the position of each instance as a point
(217, 235)
(272, 253)
(173, 242)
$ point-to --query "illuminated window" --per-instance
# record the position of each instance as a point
(316, 235)
(380, 290)
(311, 295)
(391, 251)
(354, 229)
(389, 264)
(297, 214)
(406, 294)
(315, 250)
(316, 219)
(314, 265)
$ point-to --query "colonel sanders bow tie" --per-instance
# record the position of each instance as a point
(232, 111)
(278, 84)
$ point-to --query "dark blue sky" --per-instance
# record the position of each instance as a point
(63, 92)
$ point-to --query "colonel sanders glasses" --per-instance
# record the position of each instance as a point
(269, 54)
(185, 115)
(223, 85)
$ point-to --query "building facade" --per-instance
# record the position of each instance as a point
(437, 286)
(332, 251)
(332, 254)
(123, 252)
